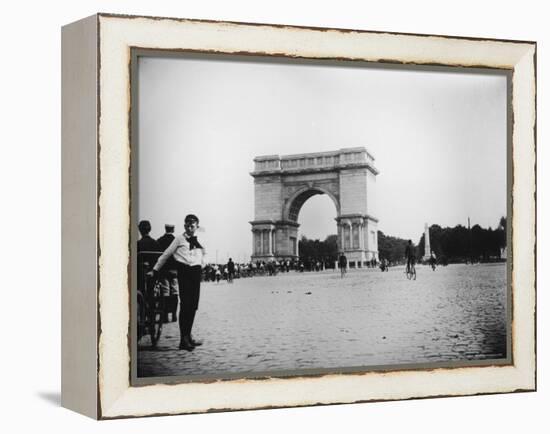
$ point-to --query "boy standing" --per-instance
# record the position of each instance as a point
(189, 255)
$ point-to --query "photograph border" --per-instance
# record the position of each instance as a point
(137, 52)
(115, 35)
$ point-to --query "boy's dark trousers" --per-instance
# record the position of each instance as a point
(189, 282)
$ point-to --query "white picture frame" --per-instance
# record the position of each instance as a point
(96, 258)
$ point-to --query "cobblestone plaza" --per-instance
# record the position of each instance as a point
(296, 321)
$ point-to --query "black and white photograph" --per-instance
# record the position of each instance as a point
(208, 207)
(296, 217)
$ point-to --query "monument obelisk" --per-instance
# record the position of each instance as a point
(427, 249)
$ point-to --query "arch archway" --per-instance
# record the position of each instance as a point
(294, 204)
(283, 184)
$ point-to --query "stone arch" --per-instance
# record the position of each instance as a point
(282, 184)
(294, 204)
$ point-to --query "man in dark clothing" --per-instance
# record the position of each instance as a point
(148, 251)
(230, 271)
(168, 275)
(410, 254)
(146, 243)
(342, 264)
(167, 238)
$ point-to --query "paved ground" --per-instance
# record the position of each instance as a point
(318, 320)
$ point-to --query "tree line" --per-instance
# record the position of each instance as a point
(460, 244)
(316, 250)
(450, 245)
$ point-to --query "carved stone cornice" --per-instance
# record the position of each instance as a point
(262, 225)
(353, 217)
(315, 162)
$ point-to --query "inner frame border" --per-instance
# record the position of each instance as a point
(143, 52)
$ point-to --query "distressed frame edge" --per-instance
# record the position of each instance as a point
(79, 141)
(304, 27)
(111, 412)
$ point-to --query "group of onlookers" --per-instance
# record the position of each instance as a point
(232, 270)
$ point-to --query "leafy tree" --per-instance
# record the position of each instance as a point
(459, 244)
(391, 248)
(502, 232)
(315, 250)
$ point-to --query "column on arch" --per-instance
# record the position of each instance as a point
(340, 228)
(345, 235)
(254, 241)
(362, 234)
(257, 248)
(265, 242)
(272, 239)
(361, 241)
(355, 234)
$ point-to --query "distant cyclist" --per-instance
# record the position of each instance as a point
(432, 261)
(410, 254)
(342, 264)
(230, 271)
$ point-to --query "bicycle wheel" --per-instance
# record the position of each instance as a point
(140, 317)
(155, 328)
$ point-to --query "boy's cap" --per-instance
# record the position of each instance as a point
(144, 224)
(189, 218)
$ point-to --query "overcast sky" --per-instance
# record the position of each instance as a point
(439, 140)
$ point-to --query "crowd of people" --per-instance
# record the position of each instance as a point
(228, 271)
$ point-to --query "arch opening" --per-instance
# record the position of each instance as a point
(296, 202)
(317, 233)
(317, 217)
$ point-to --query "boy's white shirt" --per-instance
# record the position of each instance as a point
(179, 249)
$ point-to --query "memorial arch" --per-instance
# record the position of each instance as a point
(282, 184)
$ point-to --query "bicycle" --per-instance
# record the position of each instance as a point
(151, 303)
(410, 271)
(343, 270)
